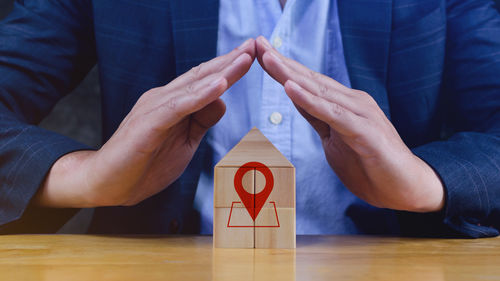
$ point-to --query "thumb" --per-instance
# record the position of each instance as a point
(205, 118)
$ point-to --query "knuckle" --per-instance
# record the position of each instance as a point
(172, 107)
(201, 67)
(369, 99)
(324, 91)
(146, 95)
(195, 72)
(364, 96)
(359, 93)
(337, 109)
(313, 74)
(190, 88)
(301, 79)
(171, 103)
(151, 91)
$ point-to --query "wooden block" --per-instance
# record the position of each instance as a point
(239, 233)
(257, 154)
(283, 192)
(267, 236)
(254, 146)
(224, 192)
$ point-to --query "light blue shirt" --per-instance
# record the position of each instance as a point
(307, 31)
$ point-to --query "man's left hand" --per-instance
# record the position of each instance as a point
(360, 143)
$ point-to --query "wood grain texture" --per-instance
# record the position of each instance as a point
(240, 234)
(86, 257)
(254, 147)
(284, 186)
(267, 236)
(224, 191)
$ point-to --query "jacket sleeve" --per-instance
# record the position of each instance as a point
(46, 49)
(468, 162)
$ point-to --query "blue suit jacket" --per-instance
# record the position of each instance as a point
(432, 66)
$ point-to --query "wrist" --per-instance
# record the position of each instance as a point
(429, 195)
(66, 185)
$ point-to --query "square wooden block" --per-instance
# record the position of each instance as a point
(283, 193)
(224, 191)
(236, 231)
(269, 235)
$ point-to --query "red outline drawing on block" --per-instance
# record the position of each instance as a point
(275, 212)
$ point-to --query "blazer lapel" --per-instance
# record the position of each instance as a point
(195, 26)
(366, 33)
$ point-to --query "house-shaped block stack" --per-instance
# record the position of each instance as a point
(254, 196)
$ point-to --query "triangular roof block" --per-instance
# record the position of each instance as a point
(254, 147)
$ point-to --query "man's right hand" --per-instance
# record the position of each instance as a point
(153, 144)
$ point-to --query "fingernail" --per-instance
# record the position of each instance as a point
(264, 42)
(244, 45)
(239, 58)
(275, 56)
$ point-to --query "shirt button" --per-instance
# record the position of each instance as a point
(276, 118)
(277, 42)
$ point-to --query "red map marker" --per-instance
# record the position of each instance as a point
(253, 202)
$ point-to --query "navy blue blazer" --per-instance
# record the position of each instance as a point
(433, 67)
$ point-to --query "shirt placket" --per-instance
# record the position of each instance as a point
(276, 111)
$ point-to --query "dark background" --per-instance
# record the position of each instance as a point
(78, 115)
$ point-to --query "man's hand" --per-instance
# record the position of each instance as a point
(360, 143)
(154, 143)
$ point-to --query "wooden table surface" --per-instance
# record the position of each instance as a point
(86, 257)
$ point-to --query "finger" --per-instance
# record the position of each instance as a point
(282, 73)
(263, 46)
(237, 69)
(205, 118)
(319, 126)
(200, 122)
(195, 96)
(213, 66)
(320, 85)
(315, 80)
(339, 118)
(219, 63)
(270, 65)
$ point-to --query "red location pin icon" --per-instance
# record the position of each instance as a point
(253, 202)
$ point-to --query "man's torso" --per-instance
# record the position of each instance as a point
(145, 44)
